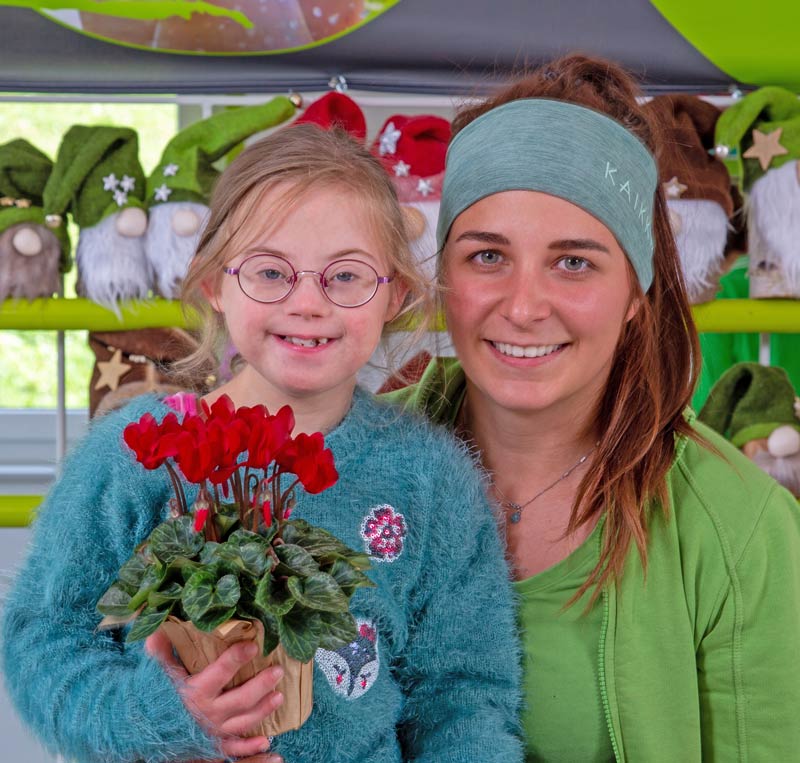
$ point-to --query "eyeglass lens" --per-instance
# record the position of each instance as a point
(268, 278)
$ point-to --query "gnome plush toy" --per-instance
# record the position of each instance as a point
(758, 137)
(179, 188)
(34, 249)
(98, 179)
(130, 363)
(758, 410)
(412, 150)
(697, 186)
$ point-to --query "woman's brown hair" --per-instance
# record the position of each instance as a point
(302, 159)
(657, 358)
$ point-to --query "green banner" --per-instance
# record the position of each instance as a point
(756, 43)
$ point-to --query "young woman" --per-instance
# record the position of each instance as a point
(303, 262)
(657, 570)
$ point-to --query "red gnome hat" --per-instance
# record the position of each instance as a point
(336, 110)
(413, 150)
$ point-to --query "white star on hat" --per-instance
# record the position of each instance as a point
(170, 170)
(127, 183)
(424, 187)
(120, 197)
(110, 182)
(388, 140)
(162, 192)
(401, 169)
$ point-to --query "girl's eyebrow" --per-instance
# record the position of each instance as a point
(578, 244)
(485, 237)
(341, 254)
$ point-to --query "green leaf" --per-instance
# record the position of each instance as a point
(320, 544)
(300, 631)
(295, 561)
(348, 577)
(146, 623)
(153, 577)
(318, 591)
(204, 597)
(358, 560)
(176, 537)
(169, 593)
(214, 618)
(273, 597)
(338, 629)
(132, 572)
(116, 602)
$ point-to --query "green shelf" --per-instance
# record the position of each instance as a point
(777, 316)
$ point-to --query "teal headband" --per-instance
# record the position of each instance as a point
(562, 149)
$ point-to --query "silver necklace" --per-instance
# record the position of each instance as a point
(516, 508)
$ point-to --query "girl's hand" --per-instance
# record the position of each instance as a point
(225, 714)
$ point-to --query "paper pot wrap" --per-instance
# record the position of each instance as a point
(198, 649)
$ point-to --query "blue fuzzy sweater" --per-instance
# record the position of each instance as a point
(433, 675)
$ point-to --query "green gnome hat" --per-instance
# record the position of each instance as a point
(24, 172)
(758, 137)
(186, 171)
(97, 173)
(750, 401)
(761, 131)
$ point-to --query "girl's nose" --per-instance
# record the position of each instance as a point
(307, 297)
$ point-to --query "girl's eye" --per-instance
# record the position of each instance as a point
(487, 257)
(345, 276)
(270, 275)
(574, 264)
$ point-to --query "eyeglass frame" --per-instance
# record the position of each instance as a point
(296, 278)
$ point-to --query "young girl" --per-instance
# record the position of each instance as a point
(304, 261)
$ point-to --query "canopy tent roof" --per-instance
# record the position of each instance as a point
(420, 46)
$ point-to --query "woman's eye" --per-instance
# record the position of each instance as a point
(487, 257)
(574, 264)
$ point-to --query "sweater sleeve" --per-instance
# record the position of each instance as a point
(461, 668)
(83, 692)
(748, 672)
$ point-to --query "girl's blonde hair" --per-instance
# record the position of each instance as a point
(302, 158)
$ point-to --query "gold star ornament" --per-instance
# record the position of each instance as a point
(766, 146)
(111, 371)
(674, 189)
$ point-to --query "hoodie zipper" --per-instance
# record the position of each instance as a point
(602, 674)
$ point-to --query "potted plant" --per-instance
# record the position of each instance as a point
(234, 565)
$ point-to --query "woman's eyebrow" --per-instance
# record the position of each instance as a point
(578, 243)
(485, 237)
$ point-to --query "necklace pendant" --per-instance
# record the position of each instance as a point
(515, 517)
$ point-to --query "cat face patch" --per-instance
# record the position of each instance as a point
(384, 532)
(352, 669)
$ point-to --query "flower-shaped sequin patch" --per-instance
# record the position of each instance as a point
(384, 532)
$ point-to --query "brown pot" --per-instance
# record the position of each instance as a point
(198, 649)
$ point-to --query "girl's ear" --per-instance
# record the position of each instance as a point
(399, 293)
(211, 293)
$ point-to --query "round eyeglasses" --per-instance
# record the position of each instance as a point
(270, 278)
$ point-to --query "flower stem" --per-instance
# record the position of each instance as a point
(177, 488)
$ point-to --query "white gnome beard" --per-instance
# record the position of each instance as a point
(29, 276)
(111, 267)
(424, 247)
(700, 227)
(169, 253)
(773, 224)
(398, 347)
(784, 469)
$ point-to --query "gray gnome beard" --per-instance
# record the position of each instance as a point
(111, 267)
(29, 276)
(701, 231)
(783, 469)
(773, 224)
(169, 253)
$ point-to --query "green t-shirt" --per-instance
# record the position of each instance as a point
(563, 718)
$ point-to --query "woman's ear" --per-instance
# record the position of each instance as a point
(633, 308)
